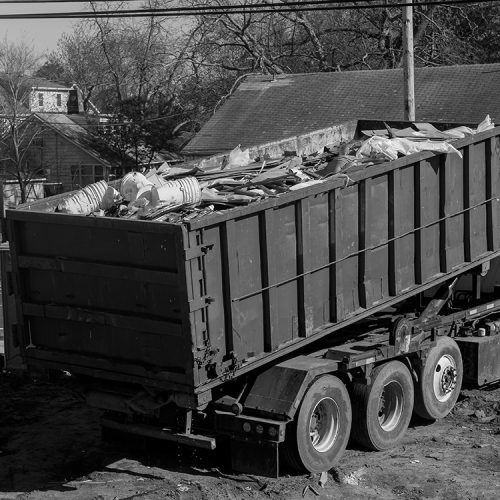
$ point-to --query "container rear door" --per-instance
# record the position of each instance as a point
(102, 296)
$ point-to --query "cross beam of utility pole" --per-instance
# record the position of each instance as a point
(408, 63)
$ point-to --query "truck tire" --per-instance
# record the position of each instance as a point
(318, 436)
(439, 381)
(382, 409)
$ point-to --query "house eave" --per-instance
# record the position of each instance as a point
(101, 160)
(53, 89)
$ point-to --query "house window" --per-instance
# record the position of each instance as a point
(83, 175)
(40, 99)
(59, 100)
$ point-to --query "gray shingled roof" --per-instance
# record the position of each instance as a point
(34, 82)
(263, 110)
(81, 137)
(42, 83)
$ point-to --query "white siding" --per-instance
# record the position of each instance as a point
(50, 100)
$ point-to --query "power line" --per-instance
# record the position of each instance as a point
(13, 2)
(123, 123)
(186, 9)
(193, 7)
(238, 9)
(57, 1)
(104, 124)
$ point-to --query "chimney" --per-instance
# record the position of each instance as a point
(73, 104)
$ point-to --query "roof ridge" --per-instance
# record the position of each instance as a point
(417, 68)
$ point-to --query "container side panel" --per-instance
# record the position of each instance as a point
(214, 349)
(429, 217)
(315, 255)
(243, 249)
(376, 280)
(282, 244)
(332, 242)
(404, 217)
(477, 194)
(197, 305)
(495, 191)
(453, 204)
(347, 245)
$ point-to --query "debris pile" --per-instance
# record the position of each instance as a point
(194, 189)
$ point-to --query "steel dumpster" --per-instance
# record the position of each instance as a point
(186, 307)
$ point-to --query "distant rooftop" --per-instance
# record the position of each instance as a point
(265, 109)
(81, 137)
(81, 131)
(42, 83)
(35, 82)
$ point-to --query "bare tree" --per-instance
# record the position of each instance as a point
(133, 70)
(153, 74)
(82, 61)
(305, 41)
(19, 133)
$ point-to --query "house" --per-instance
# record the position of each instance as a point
(42, 96)
(67, 150)
(50, 97)
(60, 139)
(57, 135)
(267, 108)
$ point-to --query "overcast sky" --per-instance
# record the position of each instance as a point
(43, 33)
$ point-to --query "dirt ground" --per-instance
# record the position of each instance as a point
(51, 448)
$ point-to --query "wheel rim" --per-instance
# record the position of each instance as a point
(391, 406)
(445, 378)
(324, 424)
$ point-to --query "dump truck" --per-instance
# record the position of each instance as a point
(283, 327)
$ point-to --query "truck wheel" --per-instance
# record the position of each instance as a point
(383, 408)
(440, 380)
(319, 434)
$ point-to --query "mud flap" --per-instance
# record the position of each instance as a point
(255, 457)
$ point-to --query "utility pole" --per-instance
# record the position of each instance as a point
(408, 62)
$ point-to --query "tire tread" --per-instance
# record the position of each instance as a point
(421, 408)
(363, 432)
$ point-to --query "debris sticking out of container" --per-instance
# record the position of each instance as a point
(111, 196)
(84, 201)
(133, 185)
(185, 190)
(195, 189)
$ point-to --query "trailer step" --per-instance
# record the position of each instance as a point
(195, 440)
